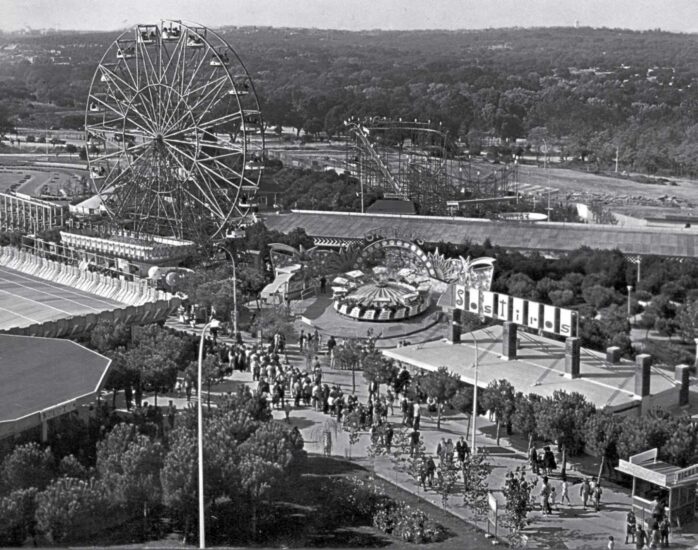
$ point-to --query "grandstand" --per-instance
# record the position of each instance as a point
(41, 297)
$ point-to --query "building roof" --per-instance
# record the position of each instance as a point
(538, 368)
(44, 375)
(391, 206)
(544, 237)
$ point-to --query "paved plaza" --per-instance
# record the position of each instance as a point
(571, 526)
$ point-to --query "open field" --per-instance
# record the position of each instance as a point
(25, 300)
(572, 181)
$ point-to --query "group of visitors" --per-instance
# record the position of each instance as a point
(653, 533)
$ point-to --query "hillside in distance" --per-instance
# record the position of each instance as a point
(585, 90)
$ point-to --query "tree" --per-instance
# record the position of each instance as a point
(108, 336)
(129, 463)
(447, 477)
(348, 356)
(476, 469)
(377, 368)
(179, 477)
(71, 149)
(28, 466)
(269, 321)
(601, 432)
(682, 446)
(523, 420)
(264, 460)
(517, 492)
(687, 320)
(441, 386)
(499, 397)
(561, 418)
(70, 509)
(212, 372)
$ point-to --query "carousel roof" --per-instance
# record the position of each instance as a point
(390, 293)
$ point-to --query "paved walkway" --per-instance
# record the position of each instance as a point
(570, 527)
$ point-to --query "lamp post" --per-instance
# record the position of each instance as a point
(477, 359)
(235, 294)
(200, 439)
(630, 290)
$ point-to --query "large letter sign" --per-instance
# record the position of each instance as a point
(503, 313)
(459, 296)
(519, 311)
(474, 301)
(488, 303)
(566, 324)
(523, 312)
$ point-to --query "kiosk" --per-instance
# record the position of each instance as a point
(658, 485)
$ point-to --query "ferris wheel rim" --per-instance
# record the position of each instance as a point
(211, 171)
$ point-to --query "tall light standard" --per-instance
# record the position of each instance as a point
(477, 359)
(200, 439)
(235, 294)
(630, 290)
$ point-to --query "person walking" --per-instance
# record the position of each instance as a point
(596, 495)
(664, 529)
(388, 437)
(331, 344)
(545, 497)
(585, 491)
(640, 538)
(564, 491)
(301, 340)
(630, 526)
(416, 415)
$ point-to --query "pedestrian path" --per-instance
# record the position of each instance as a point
(569, 526)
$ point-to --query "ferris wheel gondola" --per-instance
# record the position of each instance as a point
(180, 138)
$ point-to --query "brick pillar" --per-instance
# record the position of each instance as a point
(509, 332)
(572, 357)
(643, 362)
(613, 355)
(682, 376)
(456, 326)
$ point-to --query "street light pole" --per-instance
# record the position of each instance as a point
(200, 440)
(477, 359)
(235, 295)
(630, 290)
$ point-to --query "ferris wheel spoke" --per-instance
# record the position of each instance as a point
(119, 152)
(192, 93)
(170, 83)
(109, 106)
(215, 89)
(220, 120)
(203, 59)
(174, 152)
(209, 197)
(211, 105)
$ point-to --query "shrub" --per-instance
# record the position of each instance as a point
(406, 523)
(17, 516)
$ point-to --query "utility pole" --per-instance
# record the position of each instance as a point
(617, 151)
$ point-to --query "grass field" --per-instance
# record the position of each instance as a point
(25, 300)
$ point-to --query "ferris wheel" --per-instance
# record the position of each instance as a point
(174, 131)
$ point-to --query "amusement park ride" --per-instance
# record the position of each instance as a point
(418, 161)
(175, 133)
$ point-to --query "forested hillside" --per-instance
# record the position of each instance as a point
(586, 91)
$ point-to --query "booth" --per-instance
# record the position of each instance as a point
(659, 487)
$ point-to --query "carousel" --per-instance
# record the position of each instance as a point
(378, 295)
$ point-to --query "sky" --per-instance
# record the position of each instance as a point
(671, 15)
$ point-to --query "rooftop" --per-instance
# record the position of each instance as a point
(551, 236)
(44, 374)
(538, 369)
